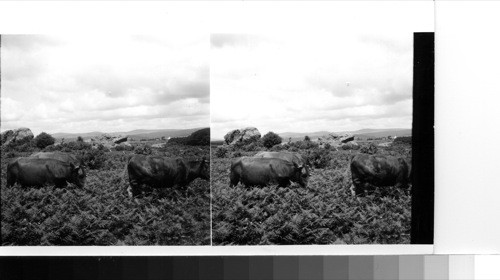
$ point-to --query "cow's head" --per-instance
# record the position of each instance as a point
(301, 174)
(78, 175)
(204, 169)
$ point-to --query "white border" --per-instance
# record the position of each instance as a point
(39, 17)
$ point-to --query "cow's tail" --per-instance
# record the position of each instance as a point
(125, 172)
(11, 173)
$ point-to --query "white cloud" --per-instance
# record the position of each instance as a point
(103, 83)
(311, 82)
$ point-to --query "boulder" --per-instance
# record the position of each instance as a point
(6, 135)
(332, 139)
(120, 139)
(351, 145)
(18, 135)
(346, 138)
(245, 135)
(385, 144)
(158, 145)
(125, 144)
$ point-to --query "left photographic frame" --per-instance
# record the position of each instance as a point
(91, 126)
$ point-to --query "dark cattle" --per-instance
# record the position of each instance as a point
(66, 157)
(252, 171)
(39, 172)
(376, 170)
(162, 172)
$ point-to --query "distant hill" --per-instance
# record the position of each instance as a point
(134, 134)
(300, 135)
(362, 133)
(377, 133)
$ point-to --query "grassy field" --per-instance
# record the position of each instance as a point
(323, 213)
(102, 213)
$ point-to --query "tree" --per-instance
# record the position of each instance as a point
(271, 139)
(306, 138)
(43, 140)
(79, 139)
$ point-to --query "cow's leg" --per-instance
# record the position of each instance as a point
(133, 188)
(11, 179)
(284, 183)
(234, 179)
(358, 187)
(60, 183)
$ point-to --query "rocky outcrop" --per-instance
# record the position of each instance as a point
(120, 139)
(346, 138)
(385, 144)
(18, 135)
(351, 145)
(159, 145)
(245, 136)
(343, 141)
(108, 141)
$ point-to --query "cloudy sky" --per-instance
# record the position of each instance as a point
(108, 83)
(314, 81)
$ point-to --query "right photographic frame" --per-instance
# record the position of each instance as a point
(322, 138)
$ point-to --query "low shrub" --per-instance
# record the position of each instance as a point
(319, 158)
(403, 139)
(93, 158)
(43, 140)
(270, 139)
(143, 150)
(221, 152)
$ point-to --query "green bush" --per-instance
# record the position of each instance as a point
(43, 140)
(303, 145)
(271, 139)
(319, 158)
(403, 139)
(369, 149)
(252, 147)
(143, 150)
(93, 158)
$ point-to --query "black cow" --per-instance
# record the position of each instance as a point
(252, 171)
(377, 170)
(38, 172)
(163, 172)
(66, 157)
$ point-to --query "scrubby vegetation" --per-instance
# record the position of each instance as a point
(403, 139)
(324, 212)
(101, 213)
(43, 140)
(198, 138)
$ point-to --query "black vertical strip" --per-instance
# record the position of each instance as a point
(422, 210)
